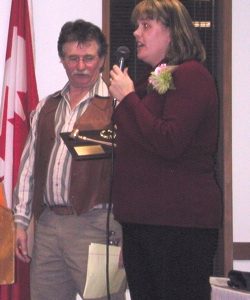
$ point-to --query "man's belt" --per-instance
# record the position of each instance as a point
(62, 210)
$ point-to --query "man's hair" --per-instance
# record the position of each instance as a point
(81, 31)
(185, 42)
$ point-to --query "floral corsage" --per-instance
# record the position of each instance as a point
(161, 79)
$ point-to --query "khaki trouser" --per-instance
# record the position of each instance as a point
(59, 260)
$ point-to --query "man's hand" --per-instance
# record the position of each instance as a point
(22, 245)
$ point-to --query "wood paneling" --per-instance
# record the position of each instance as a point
(224, 84)
(106, 31)
(241, 251)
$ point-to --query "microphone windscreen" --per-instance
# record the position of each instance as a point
(122, 51)
(122, 54)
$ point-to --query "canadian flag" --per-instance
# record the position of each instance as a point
(18, 100)
(19, 94)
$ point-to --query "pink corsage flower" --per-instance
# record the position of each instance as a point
(161, 79)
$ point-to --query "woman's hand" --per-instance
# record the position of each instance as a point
(120, 83)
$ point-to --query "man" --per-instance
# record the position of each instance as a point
(68, 197)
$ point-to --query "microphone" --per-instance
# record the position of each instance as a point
(122, 53)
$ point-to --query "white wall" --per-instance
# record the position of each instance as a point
(241, 125)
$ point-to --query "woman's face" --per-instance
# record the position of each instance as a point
(152, 40)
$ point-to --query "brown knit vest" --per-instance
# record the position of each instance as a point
(90, 179)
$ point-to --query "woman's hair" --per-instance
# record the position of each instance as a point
(185, 42)
(81, 31)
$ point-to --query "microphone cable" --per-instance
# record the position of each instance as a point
(110, 203)
(122, 53)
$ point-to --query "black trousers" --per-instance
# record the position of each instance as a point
(168, 263)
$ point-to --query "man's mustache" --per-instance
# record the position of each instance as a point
(84, 72)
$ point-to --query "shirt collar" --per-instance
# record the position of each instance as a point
(99, 89)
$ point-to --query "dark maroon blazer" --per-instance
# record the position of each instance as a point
(164, 159)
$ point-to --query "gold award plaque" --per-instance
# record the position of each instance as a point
(89, 150)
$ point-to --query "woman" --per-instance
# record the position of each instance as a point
(165, 194)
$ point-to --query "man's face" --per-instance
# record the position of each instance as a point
(82, 63)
